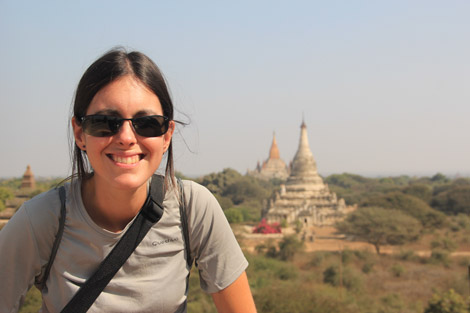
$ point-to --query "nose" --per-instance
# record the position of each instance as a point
(126, 135)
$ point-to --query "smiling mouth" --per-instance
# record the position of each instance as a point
(126, 160)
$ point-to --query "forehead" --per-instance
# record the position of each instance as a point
(126, 96)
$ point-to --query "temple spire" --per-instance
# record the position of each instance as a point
(274, 151)
(304, 167)
(273, 167)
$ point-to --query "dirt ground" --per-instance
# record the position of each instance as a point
(326, 239)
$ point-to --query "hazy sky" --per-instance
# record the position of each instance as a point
(383, 85)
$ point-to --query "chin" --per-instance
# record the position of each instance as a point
(131, 181)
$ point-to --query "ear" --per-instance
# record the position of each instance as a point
(78, 134)
(168, 135)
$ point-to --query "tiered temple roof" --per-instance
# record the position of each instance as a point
(274, 166)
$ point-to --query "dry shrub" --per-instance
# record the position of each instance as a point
(303, 298)
(408, 255)
(367, 267)
(439, 256)
(348, 277)
(391, 303)
(397, 270)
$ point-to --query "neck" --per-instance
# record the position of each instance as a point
(112, 209)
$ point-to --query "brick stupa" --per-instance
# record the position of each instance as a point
(28, 182)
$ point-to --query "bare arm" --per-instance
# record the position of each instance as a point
(236, 298)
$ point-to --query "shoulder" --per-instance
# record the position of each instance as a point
(37, 214)
(43, 207)
(199, 198)
(43, 213)
(197, 191)
(202, 207)
(36, 222)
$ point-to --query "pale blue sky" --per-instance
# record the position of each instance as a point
(383, 86)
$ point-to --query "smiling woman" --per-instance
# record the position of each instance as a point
(123, 160)
(123, 126)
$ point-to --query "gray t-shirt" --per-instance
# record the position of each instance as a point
(153, 279)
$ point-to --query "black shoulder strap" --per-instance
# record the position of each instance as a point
(184, 223)
(151, 212)
(58, 237)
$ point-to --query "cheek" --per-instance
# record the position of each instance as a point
(153, 145)
(95, 144)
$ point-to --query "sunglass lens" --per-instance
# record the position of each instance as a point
(100, 125)
(150, 126)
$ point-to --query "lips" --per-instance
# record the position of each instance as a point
(132, 159)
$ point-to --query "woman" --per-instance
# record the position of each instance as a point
(123, 125)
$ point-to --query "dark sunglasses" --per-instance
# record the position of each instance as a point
(106, 125)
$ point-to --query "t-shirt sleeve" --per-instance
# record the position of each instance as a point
(218, 256)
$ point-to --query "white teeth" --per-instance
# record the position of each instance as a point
(126, 160)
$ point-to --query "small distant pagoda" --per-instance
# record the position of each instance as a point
(305, 197)
(28, 182)
(273, 167)
(28, 185)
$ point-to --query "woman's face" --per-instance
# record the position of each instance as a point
(125, 160)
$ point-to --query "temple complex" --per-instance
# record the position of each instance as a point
(304, 196)
(273, 167)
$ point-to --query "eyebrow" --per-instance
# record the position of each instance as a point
(107, 112)
(115, 112)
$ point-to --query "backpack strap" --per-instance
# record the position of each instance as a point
(184, 223)
(58, 237)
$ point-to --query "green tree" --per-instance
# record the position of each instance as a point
(217, 182)
(347, 180)
(454, 200)
(449, 302)
(234, 215)
(409, 205)
(355, 188)
(5, 194)
(12, 183)
(439, 178)
(351, 187)
(379, 227)
(225, 203)
(245, 188)
(247, 191)
(421, 191)
(250, 214)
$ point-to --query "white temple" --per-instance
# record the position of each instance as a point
(305, 197)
